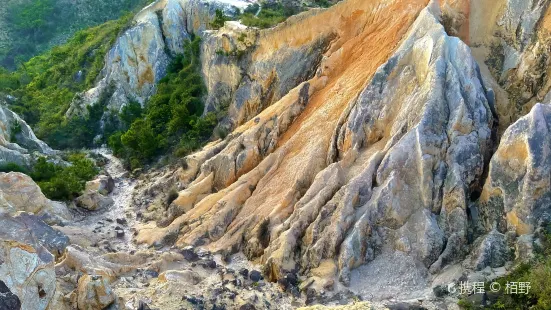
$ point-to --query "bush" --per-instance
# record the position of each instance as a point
(64, 183)
(14, 130)
(268, 17)
(171, 117)
(219, 19)
(13, 167)
(59, 182)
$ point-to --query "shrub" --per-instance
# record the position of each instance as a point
(14, 130)
(171, 117)
(219, 19)
(13, 167)
(268, 17)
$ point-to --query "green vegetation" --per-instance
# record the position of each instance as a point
(269, 16)
(34, 26)
(536, 272)
(219, 19)
(59, 182)
(64, 183)
(172, 117)
(45, 86)
(14, 130)
(322, 3)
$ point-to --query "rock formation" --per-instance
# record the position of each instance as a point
(18, 192)
(516, 196)
(140, 57)
(379, 156)
(28, 272)
(17, 140)
(398, 150)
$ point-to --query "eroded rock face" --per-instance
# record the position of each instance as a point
(140, 56)
(18, 192)
(247, 69)
(17, 140)
(28, 272)
(510, 39)
(517, 196)
(358, 190)
(424, 124)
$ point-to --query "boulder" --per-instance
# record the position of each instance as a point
(92, 201)
(28, 272)
(30, 229)
(94, 293)
(18, 192)
(103, 184)
(183, 276)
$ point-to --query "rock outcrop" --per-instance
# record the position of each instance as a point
(17, 140)
(355, 164)
(510, 40)
(140, 56)
(18, 192)
(517, 195)
(28, 272)
(362, 147)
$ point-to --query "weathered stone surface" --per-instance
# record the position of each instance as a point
(269, 162)
(183, 276)
(94, 293)
(140, 56)
(510, 39)
(24, 141)
(389, 174)
(30, 229)
(18, 192)
(517, 195)
(93, 200)
(490, 251)
(403, 201)
(103, 184)
(249, 69)
(28, 272)
(8, 300)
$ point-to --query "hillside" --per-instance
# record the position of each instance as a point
(291, 154)
(30, 27)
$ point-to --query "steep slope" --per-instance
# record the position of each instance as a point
(17, 140)
(29, 27)
(324, 177)
(140, 56)
(510, 40)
